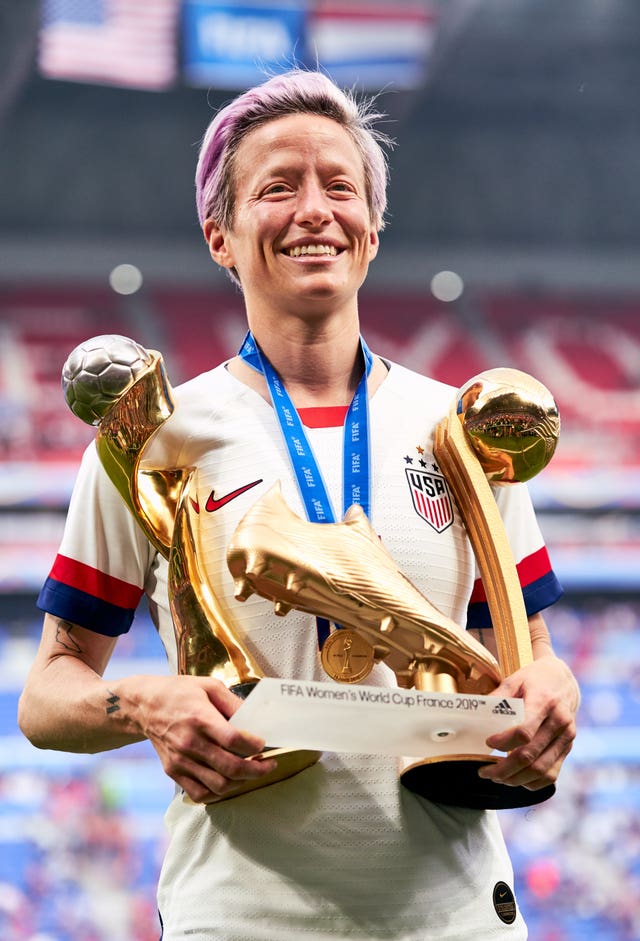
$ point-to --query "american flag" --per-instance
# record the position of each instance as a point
(130, 43)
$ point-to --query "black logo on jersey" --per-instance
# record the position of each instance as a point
(504, 903)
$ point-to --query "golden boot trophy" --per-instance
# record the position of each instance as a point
(342, 572)
(114, 383)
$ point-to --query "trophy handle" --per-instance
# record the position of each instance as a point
(472, 491)
(206, 646)
(126, 429)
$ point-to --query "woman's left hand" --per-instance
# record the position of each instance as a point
(538, 747)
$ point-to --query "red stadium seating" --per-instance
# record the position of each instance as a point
(586, 351)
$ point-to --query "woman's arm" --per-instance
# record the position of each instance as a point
(67, 705)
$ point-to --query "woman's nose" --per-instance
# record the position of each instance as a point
(314, 207)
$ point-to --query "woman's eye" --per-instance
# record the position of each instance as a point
(341, 186)
(275, 189)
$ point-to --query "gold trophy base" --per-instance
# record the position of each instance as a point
(453, 780)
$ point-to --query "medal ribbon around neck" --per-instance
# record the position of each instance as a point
(356, 458)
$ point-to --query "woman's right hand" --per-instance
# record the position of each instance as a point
(186, 719)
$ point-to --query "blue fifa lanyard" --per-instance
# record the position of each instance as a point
(356, 458)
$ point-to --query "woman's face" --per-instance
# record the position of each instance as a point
(302, 235)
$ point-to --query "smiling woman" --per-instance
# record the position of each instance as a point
(297, 92)
(291, 197)
(302, 236)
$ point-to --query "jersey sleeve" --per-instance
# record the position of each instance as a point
(98, 576)
(540, 586)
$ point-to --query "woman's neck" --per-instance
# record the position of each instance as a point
(319, 365)
(309, 397)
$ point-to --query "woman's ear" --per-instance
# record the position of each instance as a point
(219, 249)
(374, 244)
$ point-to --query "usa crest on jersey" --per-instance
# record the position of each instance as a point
(430, 497)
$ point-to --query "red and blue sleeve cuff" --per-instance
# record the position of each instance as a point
(540, 589)
(85, 596)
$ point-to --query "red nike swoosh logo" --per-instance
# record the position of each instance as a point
(212, 504)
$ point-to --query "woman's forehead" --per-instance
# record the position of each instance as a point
(299, 137)
(310, 131)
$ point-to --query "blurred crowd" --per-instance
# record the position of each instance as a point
(81, 870)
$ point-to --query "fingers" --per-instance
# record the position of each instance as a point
(187, 723)
(533, 761)
(205, 770)
(206, 783)
(539, 745)
(534, 764)
(220, 696)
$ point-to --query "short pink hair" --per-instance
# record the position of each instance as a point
(293, 92)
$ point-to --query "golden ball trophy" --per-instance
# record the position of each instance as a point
(503, 430)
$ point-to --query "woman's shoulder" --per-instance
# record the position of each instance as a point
(192, 388)
(408, 382)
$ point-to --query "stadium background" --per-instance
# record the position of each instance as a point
(518, 137)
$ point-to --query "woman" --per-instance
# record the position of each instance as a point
(291, 197)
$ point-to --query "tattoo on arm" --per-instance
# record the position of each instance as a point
(113, 701)
(64, 638)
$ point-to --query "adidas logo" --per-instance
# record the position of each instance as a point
(503, 708)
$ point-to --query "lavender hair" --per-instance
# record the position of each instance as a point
(293, 92)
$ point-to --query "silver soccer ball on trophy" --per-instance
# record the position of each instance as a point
(99, 371)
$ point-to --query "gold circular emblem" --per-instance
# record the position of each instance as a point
(347, 657)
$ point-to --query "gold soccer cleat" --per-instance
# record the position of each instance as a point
(341, 571)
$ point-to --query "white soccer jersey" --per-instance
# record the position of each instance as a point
(341, 850)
